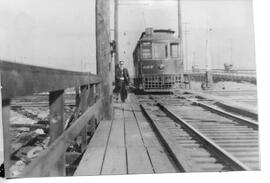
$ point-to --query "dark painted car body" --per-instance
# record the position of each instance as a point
(158, 61)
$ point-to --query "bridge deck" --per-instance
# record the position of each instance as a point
(125, 145)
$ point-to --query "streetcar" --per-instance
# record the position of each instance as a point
(158, 61)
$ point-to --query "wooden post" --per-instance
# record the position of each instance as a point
(209, 79)
(103, 55)
(91, 99)
(77, 96)
(84, 106)
(91, 96)
(56, 105)
(6, 136)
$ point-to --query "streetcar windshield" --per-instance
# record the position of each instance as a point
(146, 50)
(159, 50)
(174, 47)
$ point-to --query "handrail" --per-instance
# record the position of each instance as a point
(25, 80)
(222, 75)
(21, 79)
(248, 72)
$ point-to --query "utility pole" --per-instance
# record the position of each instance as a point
(209, 77)
(186, 33)
(208, 49)
(194, 58)
(231, 50)
(103, 53)
(179, 13)
(179, 20)
(116, 56)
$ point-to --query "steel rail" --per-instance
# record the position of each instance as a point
(212, 146)
(244, 120)
(182, 162)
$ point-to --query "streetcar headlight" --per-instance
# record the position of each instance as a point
(148, 67)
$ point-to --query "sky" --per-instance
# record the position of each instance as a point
(231, 39)
(51, 33)
(61, 33)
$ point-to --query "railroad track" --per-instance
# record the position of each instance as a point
(200, 138)
(218, 106)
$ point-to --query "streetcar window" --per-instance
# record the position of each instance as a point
(160, 50)
(146, 50)
(174, 50)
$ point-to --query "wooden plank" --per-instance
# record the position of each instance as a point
(22, 80)
(118, 112)
(56, 106)
(40, 166)
(133, 136)
(115, 159)
(160, 160)
(137, 157)
(91, 163)
(138, 160)
(158, 155)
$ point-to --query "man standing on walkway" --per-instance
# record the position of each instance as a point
(122, 80)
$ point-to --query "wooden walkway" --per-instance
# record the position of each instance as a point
(125, 145)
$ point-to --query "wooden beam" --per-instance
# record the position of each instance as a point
(56, 105)
(22, 80)
(104, 55)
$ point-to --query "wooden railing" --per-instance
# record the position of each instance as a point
(244, 72)
(24, 80)
(222, 75)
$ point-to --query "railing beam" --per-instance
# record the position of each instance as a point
(25, 80)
